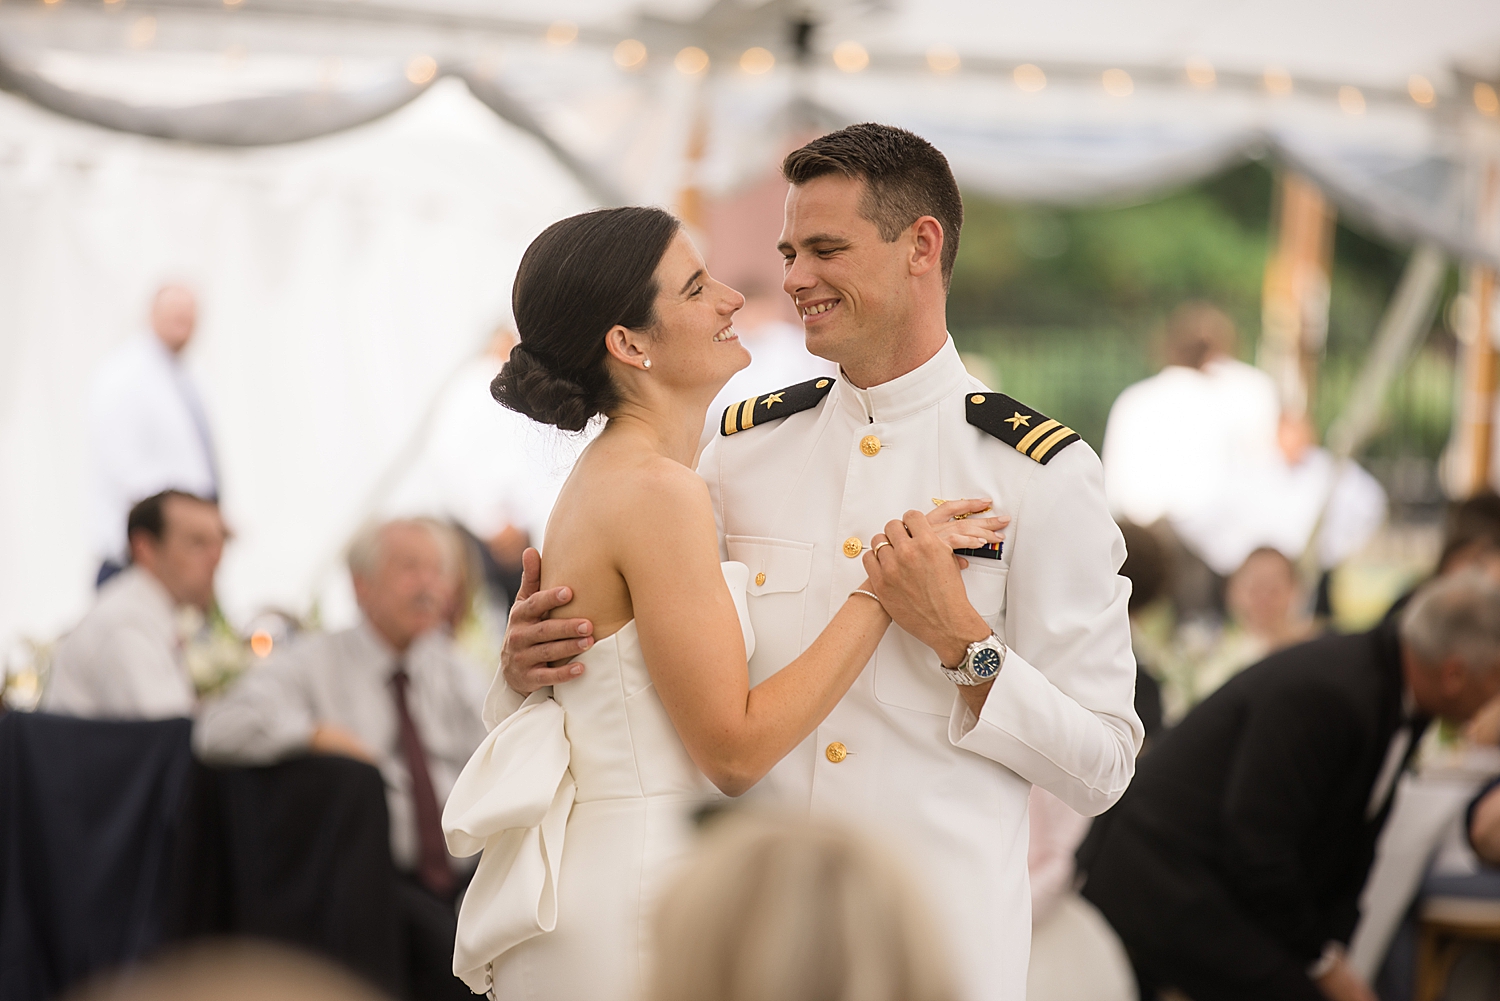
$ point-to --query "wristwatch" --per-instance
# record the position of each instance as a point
(981, 662)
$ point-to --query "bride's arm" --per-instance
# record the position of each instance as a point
(668, 553)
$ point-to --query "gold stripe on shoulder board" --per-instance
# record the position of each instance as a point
(1052, 439)
(1024, 445)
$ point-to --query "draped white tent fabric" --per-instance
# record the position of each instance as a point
(342, 281)
(344, 276)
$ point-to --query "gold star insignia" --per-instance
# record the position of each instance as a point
(773, 398)
(1018, 421)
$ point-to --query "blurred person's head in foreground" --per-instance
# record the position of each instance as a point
(1471, 535)
(871, 233)
(230, 970)
(1262, 597)
(617, 314)
(174, 316)
(403, 577)
(178, 538)
(1147, 566)
(1450, 637)
(778, 910)
(1197, 333)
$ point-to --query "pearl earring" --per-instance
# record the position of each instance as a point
(647, 363)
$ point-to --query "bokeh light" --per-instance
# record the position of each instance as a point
(421, 69)
(630, 54)
(943, 60)
(1029, 78)
(691, 60)
(1117, 83)
(850, 57)
(757, 60)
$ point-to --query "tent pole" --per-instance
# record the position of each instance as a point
(1471, 450)
(1294, 297)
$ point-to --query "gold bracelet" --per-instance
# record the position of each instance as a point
(867, 594)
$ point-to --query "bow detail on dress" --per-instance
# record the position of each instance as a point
(511, 802)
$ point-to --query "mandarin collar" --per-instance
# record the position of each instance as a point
(922, 387)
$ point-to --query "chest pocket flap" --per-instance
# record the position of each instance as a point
(776, 565)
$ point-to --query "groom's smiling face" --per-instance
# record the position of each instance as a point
(849, 286)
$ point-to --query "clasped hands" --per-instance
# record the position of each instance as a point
(911, 568)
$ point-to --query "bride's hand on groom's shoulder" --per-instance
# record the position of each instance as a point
(535, 643)
(916, 575)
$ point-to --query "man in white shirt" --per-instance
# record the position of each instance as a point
(124, 660)
(148, 425)
(1017, 670)
(392, 691)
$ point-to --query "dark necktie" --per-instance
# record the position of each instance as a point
(432, 853)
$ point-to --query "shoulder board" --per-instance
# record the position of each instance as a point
(1030, 432)
(760, 410)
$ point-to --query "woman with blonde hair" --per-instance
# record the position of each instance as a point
(771, 910)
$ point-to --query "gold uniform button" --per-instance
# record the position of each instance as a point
(976, 398)
(760, 579)
(822, 383)
(853, 547)
(836, 752)
(870, 445)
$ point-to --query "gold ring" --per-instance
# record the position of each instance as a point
(882, 542)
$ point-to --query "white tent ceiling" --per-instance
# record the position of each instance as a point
(1391, 105)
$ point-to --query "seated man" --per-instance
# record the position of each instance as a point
(124, 660)
(1232, 867)
(392, 691)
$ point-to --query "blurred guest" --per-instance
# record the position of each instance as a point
(242, 970)
(391, 691)
(490, 470)
(784, 911)
(1074, 952)
(148, 425)
(1221, 412)
(125, 659)
(1233, 865)
(1471, 534)
(1298, 497)
(1266, 614)
(778, 352)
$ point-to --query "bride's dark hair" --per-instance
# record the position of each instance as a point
(581, 277)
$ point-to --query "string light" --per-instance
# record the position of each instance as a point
(1486, 100)
(850, 57)
(630, 54)
(562, 33)
(1200, 73)
(691, 61)
(943, 61)
(1117, 83)
(261, 643)
(1029, 78)
(1351, 100)
(421, 68)
(757, 60)
(1277, 81)
(1421, 90)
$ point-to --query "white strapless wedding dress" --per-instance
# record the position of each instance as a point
(582, 803)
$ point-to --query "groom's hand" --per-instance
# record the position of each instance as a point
(918, 582)
(534, 642)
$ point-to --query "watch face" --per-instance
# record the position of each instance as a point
(986, 662)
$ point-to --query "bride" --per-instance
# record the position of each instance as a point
(582, 800)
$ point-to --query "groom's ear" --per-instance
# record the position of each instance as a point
(626, 346)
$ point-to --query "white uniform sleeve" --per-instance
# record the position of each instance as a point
(265, 716)
(1061, 713)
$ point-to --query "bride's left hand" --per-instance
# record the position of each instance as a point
(956, 524)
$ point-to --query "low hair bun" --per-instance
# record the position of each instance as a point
(529, 387)
(582, 276)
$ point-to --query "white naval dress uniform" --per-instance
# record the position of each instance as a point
(901, 756)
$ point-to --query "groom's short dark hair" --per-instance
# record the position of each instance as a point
(905, 178)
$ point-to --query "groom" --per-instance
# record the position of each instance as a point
(1015, 670)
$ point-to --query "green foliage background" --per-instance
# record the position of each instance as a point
(1068, 305)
